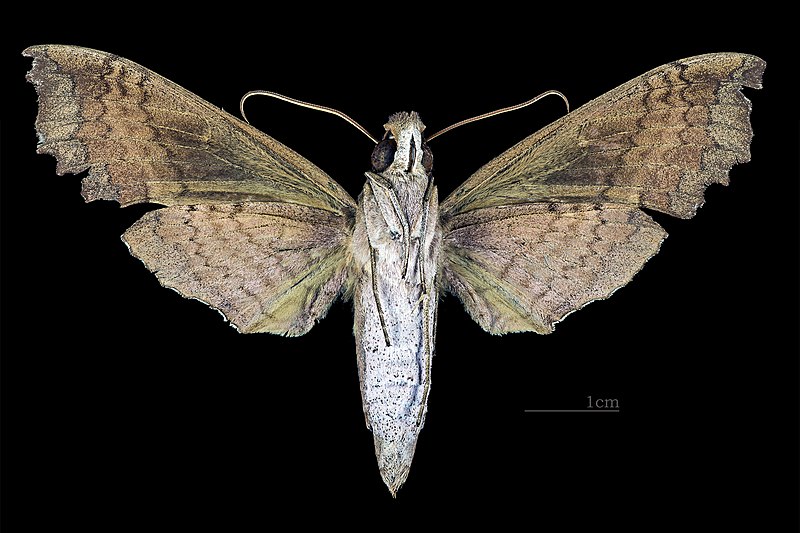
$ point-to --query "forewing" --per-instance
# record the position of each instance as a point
(657, 141)
(525, 267)
(268, 267)
(146, 139)
(554, 222)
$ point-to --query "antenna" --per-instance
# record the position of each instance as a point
(316, 107)
(499, 111)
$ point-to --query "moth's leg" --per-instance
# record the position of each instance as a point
(376, 294)
(388, 190)
(429, 205)
(423, 231)
(428, 340)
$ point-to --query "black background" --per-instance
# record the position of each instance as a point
(127, 405)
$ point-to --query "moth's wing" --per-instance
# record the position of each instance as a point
(656, 141)
(275, 266)
(554, 222)
(267, 266)
(146, 139)
(525, 267)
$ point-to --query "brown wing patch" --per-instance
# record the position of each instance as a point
(657, 141)
(525, 267)
(268, 267)
(146, 139)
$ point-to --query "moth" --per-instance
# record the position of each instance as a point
(256, 231)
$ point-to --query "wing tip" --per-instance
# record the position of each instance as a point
(752, 72)
(745, 69)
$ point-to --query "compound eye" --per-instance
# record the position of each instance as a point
(383, 154)
(427, 159)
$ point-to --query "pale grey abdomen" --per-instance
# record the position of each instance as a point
(395, 378)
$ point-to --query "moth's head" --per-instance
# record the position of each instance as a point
(402, 149)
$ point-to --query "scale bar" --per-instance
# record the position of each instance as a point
(599, 410)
